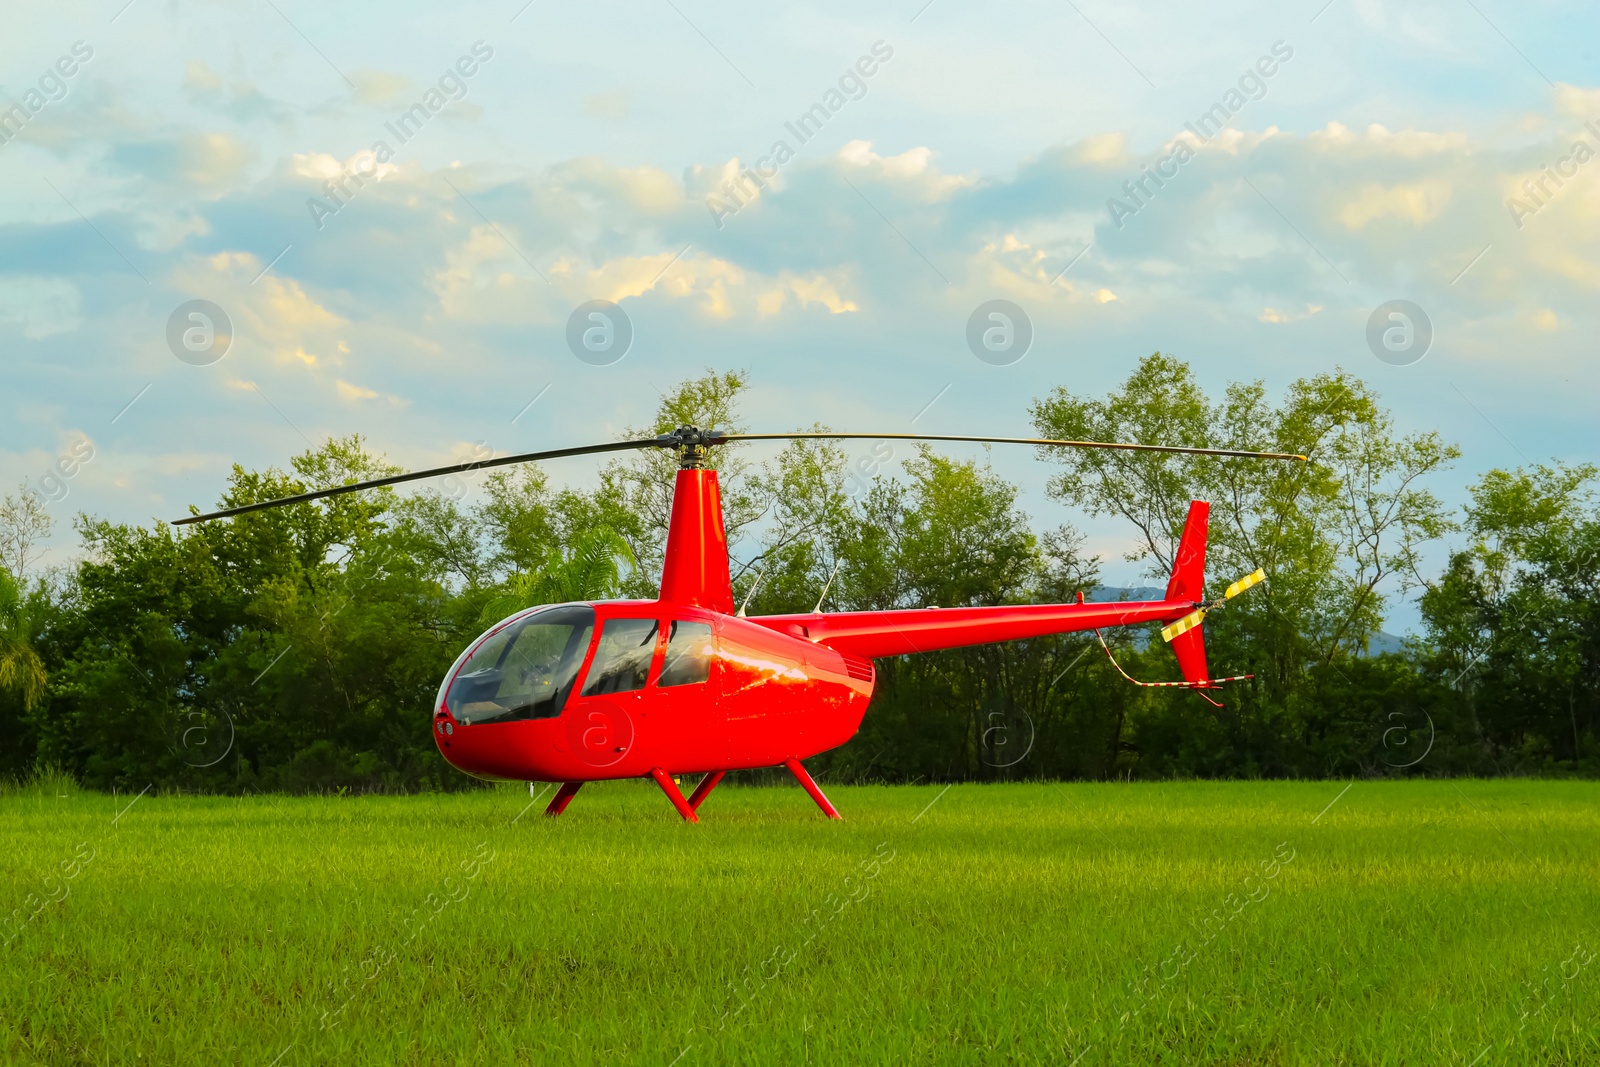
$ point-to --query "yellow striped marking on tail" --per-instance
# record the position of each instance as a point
(1184, 625)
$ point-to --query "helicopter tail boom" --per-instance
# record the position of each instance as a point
(875, 634)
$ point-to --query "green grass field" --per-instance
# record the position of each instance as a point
(1216, 923)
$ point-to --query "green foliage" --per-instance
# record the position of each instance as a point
(1514, 623)
(216, 656)
(590, 568)
(635, 494)
(952, 536)
(1328, 533)
(22, 673)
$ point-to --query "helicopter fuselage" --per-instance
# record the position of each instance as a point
(767, 696)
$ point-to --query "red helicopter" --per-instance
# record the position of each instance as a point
(576, 693)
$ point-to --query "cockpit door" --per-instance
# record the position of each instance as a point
(607, 719)
(684, 702)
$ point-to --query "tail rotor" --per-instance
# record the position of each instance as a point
(1198, 615)
(1187, 584)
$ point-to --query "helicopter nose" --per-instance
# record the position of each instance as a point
(444, 727)
(509, 751)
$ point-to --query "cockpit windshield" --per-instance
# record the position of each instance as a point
(526, 670)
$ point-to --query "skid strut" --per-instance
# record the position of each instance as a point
(703, 790)
(674, 794)
(798, 770)
(563, 797)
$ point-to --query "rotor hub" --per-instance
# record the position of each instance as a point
(692, 445)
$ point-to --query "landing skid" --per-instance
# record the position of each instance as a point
(563, 797)
(703, 790)
(797, 769)
(688, 807)
(674, 794)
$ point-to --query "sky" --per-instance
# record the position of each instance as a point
(401, 210)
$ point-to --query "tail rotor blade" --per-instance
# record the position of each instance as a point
(1244, 583)
(1185, 624)
(1198, 615)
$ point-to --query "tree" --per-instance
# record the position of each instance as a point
(24, 522)
(951, 535)
(307, 641)
(807, 521)
(635, 493)
(517, 518)
(444, 533)
(590, 568)
(23, 615)
(1514, 624)
(1329, 533)
(22, 673)
(778, 514)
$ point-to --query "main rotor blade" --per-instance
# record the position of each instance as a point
(676, 440)
(396, 479)
(719, 438)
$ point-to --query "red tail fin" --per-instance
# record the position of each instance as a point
(1188, 583)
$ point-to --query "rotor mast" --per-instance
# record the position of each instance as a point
(695, 570)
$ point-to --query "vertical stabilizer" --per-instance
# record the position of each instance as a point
(696, 568)
(1188, 583)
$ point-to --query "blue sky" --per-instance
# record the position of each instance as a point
(576, 163)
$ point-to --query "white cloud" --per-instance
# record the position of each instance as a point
(352, 393)
(1414, 202)
(913, 167)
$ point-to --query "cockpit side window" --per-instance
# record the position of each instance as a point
(689, 654)
(622, 659)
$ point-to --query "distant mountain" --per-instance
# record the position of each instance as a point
(1385, 644)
